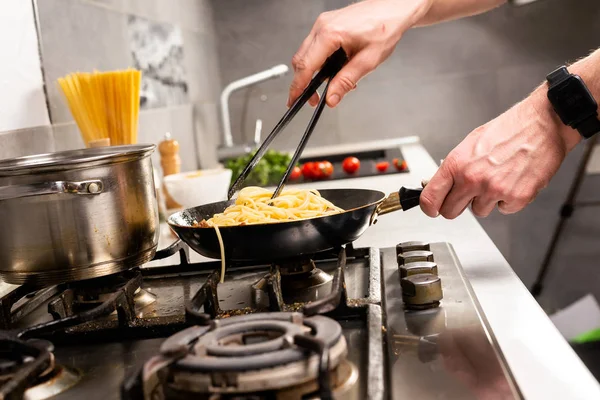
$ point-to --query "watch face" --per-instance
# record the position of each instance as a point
(572, 101)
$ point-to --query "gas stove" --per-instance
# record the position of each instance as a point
(354, 323)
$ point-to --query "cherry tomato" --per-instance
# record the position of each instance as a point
(400, 165)
(307, 170)
(351, 164)
(325, 169)
(382, 166)
(296, 172)
(315, 170)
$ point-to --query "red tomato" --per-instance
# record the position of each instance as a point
(382, 166)
(351, 164)
(296, 172)
(400, 165)
(315, 170)
(307, 170)
(325, 169)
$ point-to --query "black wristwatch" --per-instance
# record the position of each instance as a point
(573, 102)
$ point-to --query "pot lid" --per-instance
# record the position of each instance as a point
(72, 159)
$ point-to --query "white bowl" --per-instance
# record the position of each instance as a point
(191, 189)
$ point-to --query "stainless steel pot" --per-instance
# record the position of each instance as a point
(77, 214)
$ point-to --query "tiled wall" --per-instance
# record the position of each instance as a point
(23, 112)
(440, 83)
(171, 41)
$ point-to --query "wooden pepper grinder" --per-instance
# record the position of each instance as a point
(170, 163)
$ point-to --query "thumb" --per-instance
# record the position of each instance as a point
(345, 80)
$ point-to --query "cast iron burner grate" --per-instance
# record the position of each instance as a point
(264, 355)
(80, 310)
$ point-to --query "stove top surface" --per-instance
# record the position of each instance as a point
(354, 324)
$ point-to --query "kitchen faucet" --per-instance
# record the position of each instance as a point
(227, 148)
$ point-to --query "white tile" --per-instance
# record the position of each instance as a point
(155, 123)
(26, 142)
(201, 64)
(22, 99)
(67, 136)
(208, 133)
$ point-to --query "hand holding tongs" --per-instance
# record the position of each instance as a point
(331, 67)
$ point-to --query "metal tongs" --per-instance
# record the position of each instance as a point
(331, 67)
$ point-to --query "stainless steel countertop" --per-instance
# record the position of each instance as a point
(543, 363)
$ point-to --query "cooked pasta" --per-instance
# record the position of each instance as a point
(105, 105)
(255, 206)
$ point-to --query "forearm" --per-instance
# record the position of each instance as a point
(588, 69)
(444, 10)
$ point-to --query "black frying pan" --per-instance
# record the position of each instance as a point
(282, 240)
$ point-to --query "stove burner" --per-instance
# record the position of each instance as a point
(260, 355)
(57, 381)
(301, 282)
(28, 370)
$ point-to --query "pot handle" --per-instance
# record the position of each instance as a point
(91, 187)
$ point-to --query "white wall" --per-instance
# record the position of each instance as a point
(22, 99)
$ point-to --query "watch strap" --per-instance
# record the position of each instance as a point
(589, 126)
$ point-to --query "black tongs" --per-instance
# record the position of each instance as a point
(331, 67)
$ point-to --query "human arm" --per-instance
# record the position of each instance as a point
(368, 31)
(507, 161)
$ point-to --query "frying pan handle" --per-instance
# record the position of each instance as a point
(404, 199)
(409, 198)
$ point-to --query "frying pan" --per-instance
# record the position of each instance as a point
(276, 241)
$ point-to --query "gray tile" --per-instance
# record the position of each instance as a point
(193, 15)
(154, 123)
(67, 136)
(441, 110)
(78, 36)
(278, 15)
(245, 53)
(270, 108)
(157, 50)
(26, 142)
(208, 133)
(202, 67)
(547, 31)
(505, 37)
(516, 83)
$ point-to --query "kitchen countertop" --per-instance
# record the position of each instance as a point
(543, 363)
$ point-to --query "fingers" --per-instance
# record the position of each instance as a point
(311, 60)
(456, 201)
(345, 80)
(482, 206)
(437, 189)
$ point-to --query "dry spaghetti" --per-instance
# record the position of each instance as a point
(105, 105)
(255, 206)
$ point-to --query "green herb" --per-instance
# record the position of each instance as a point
(268, 171)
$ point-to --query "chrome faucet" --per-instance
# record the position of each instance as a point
(227, 148)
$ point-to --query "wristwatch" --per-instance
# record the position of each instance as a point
(573, 102)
